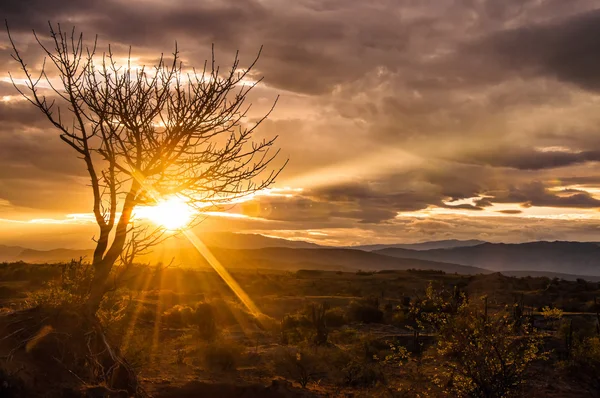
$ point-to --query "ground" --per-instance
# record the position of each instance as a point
(186, 333)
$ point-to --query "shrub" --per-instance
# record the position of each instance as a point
(295, 321)
(302, 366)
(179, 316)
(294, 329)
(335, 317)
(70, 290)
(318, 323)
(584, 365)
(366, 311)
(344, 336)
(482, 357)
(362, 374)
(221, 355)
(204, 319)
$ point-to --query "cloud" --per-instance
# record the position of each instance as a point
(566, 48)
(536, 194)
(489, 99)
(527, 158)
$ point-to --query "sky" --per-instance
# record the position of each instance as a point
(403, 121)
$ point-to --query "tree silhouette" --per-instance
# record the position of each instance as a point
(147, 133)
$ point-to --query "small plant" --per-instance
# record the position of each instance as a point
(70, 290)
(204, 319)
(319, 323)
(552, 316)
(221, 355)
(584, 364)
(335, 317)
(180, 356)
(302, 366)
(365, 311)
(362, 374)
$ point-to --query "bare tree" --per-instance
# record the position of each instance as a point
(147, 133)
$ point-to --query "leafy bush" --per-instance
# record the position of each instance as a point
(584, 364)
(295, 321)
(482, 357)
(204, 319)
(362, 374)
(344, 336)
(365, 311)
(301, 365)
(221, 355)
(178, 316)
(335, 317)
(70, 290)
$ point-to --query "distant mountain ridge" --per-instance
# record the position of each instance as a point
(436, 244)
(568, 260)
(282, 258)
(578, 258)
(331, 258)
(225, 240)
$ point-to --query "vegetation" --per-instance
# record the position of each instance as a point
(432, 334)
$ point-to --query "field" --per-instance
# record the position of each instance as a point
(317, 333)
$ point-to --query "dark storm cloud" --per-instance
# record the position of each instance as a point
(363, 201)
(536, 194)
(568, 49)
(528, 158)
(510, 211)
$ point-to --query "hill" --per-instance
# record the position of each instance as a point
(230, 240)
(346, 259)
(227, 240)
(437, 244)
(577, 258)
(9, 253)
(182, 253)
(52, 256)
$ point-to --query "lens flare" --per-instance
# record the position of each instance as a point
(172, 213)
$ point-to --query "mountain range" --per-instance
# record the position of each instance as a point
(437, 244)
(580, 258)
(567, 260)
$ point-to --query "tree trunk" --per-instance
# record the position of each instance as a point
(98, 288)
(103, 266)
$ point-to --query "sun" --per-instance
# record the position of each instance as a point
(172, 213)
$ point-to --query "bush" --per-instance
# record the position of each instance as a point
(361, 374)
(294, 329)
(584, 365)
(344, 336)
(484, 356)
(300, 365)
(366, 311)
(179, 316)
(70, 290)
(204, 319)
(221, 355)
(335, 317)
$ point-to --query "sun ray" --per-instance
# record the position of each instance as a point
(209, 257)
(223, 273)
(154, 357)
(134, 317)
